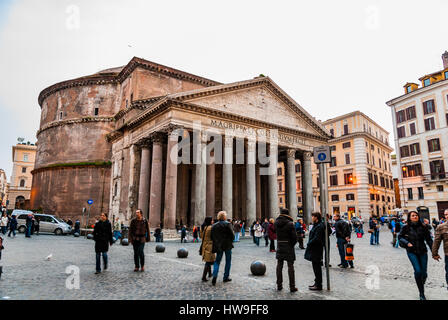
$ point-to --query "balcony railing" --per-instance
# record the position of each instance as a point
(435, 177)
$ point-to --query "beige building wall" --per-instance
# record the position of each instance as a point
(3, 187)
(23, 157)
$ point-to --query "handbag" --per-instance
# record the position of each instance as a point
(370, 231)
(349, 252)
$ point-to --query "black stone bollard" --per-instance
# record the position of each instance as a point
(125, 242)
(90, 236)
(182, 253)
(76, 234)
(258, 268)
(160, 248)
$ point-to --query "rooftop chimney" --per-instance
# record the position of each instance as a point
(445, 60)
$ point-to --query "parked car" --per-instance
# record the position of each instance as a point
(47, 223)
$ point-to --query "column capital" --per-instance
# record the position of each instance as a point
(144, 143)
(168, 129)
(157, 137)
(307, 156)
(228, 141)
(291, 153)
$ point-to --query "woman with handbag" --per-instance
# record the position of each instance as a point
(206, 249)
(413, 237)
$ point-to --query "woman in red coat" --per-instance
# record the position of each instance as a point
(272, 235)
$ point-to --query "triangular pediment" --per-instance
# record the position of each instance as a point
(261, 101)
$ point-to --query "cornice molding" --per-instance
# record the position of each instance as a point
(59, 123)
(360, 134)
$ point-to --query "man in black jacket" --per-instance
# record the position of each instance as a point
(342, 237)
(315, 249)
(102, 234)
(222, 237)
(286, 240)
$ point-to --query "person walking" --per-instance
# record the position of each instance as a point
(252, 231)
(29, 225)
(77, 228)
(4, 223)
(138, 235)
(272, 235)
(286, 241)
(236, 230)
(37, 225)
(413, 237)
(158, 234)
(222, 238)
(374, 231)
(243, 228)
(12, 226)
(195, 234)
(258, 232)
(183, 234)
(342, 238)
(441, 234)
(396, 228)
(102, 235)
(207, 248)
(300, 233)
(117, 228)
(315, 249)
(265, 226)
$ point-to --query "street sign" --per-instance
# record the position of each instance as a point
(90, 201)
(322, 154)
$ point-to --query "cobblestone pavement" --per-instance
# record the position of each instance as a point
(27, 275)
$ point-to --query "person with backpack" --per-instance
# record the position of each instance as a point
(139, 234)
(343, 237)
(413, 237)
(183, 234)
(300, 233)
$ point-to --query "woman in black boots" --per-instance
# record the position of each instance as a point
(206, 247)
(413, 237)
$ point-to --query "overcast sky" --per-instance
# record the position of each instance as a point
(332, 57)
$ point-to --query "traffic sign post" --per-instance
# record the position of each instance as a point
(89, 202)
(322, 156)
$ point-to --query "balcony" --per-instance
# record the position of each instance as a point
(435, 177)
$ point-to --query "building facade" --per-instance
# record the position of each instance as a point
(3, 187)
(359, 176)
(19, 193)
(421, 140)
(176, 145)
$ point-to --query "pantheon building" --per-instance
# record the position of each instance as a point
(178, 146)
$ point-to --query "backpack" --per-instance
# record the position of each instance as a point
(397, 227)
(390, 225)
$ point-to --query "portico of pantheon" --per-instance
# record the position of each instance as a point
(183, 156)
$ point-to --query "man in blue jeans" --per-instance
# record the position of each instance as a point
(343, 237)
(222, 237)
(441, 234)
(102, 235)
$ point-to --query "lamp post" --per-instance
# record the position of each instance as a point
(402, 185)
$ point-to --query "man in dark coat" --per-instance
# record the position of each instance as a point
(265, 226)
(222, 237)
(315, 249)
(286, 240)
(29, 225)
(342, 237)
(102, 235)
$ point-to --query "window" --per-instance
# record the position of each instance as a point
(373, 160)
(334, 197)
(281, 200)
(385, 165)
(347, 158)
(439, 188)
(332, 132)
(345, 129)
(401, 116)
(368, 158)
(429, 107)
(372, 147)
(404, 151)
(408, 89)
(401, 132)
(346, 145)
(420, 193)
(382, 183)
(379, 151)
(426, 82)
(350, 196)
(375, 179)
(332, 148)
(132, 97)
(377, 198)
(437, 169)
(415, 149)
(333, 162)
(370, 178)
(334, 180)
(126, 103)
(23, 169)
(410, 113)
(299, 199)
(379, 163)
(96, 111)
(297, 184)
(388, 199)
(410, 195)
(297, 167)
(414, 170)
(348, 178)
(391, 185)
(387, 183)
(433, 145)
(446, 74)
(279, 171)
(22, 183)
(60, 115)
(430, 124)
(383, 198)
(25, 157)
(280, 186)
(372, 197)
(412, 128)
